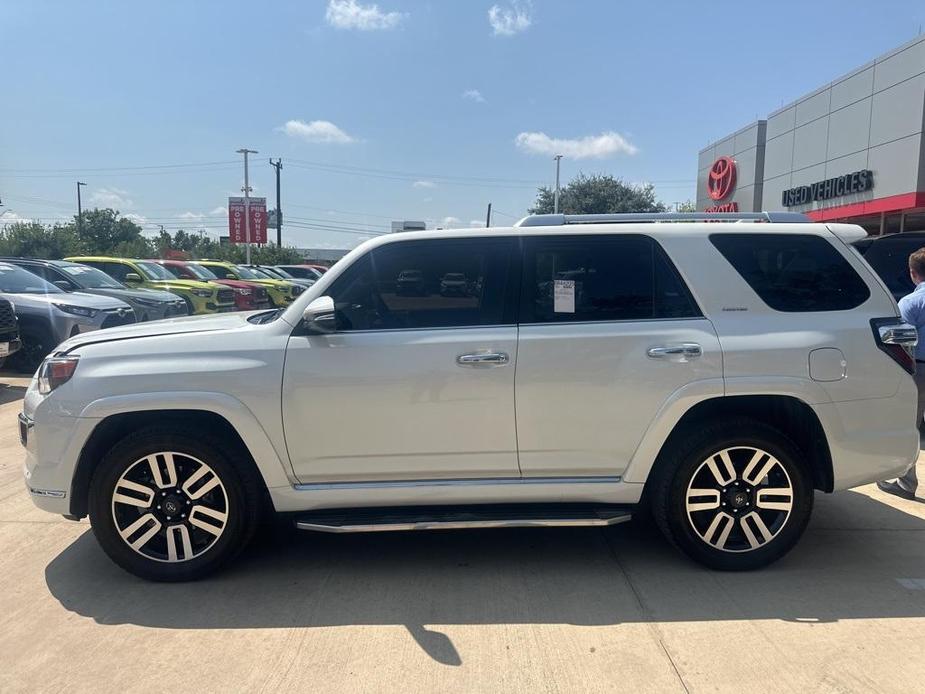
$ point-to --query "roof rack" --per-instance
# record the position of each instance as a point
(556, 220)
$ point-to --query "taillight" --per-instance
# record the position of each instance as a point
(898, 339)
(56, 371)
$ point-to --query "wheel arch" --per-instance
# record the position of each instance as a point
(115, 426)
(791, 415)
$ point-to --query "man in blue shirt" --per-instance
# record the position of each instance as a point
(912, 308)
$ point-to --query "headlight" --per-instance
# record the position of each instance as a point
(150, 303)
(202, 292)
(243, 291)
(77, 310)
(55, 371)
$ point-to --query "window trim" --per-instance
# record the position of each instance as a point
(530, 243)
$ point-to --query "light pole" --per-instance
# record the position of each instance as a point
(555, 203)
(79, 208)
(247, 205)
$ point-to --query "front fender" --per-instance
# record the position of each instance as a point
(272, 462)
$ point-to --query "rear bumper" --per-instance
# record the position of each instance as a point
(871, 440)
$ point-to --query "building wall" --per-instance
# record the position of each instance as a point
(872, 118)
(747, 147)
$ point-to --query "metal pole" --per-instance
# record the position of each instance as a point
(247, 206)
(488, 217)
(555, 204)
(279, 210)
(79, 208)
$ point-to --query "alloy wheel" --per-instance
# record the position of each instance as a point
(170, 507)
(739, 499)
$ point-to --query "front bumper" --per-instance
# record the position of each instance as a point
(48, 468)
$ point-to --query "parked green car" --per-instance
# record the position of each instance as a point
(200, 297)
(282, 293)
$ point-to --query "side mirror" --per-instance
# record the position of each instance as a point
(132, 278)
(63, 284)
(318, 317)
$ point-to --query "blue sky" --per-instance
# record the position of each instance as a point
(395, 109)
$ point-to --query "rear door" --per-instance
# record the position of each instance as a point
(608, 332)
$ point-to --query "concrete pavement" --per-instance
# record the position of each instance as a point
(558, 610)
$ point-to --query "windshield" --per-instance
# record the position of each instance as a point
(278, 272)
(245, 273)
(90, 278)
(201, 271)
(153, 271)
(259, 274)
(15, 280)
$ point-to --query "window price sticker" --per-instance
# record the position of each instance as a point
(563, 297)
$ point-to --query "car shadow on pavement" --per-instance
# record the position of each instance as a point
(10, 393)
(854, 562)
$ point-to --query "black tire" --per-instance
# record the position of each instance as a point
(243, 490)
(190, 309)
(685, 466)
(37, 343)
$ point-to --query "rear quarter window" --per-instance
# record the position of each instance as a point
(794, 272)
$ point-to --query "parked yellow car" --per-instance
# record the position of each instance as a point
(200, 297)
(282, 293)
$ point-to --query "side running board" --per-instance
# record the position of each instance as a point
(458, 518)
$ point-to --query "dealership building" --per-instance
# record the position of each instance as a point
(851, 151)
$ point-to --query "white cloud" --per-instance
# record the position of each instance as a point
(589, 147)
(349, 14)
(137, 218)
(219, 211)
(10, 217)
(510, 20)
(476, 224)
(450, 222)
(423, 184)
(111, 197)
(474, 95)
(192, 215)
(317, 131)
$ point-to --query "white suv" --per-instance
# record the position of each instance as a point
(717, 373)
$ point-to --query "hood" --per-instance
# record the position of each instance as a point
(180, 284)
(238, 284)
(284, 285)
(149, 294)
(172, 326)
(72, 298)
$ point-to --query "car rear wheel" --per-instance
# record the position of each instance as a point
(172, 505)
(734, 496)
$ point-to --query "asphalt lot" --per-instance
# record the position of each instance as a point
(558, 610)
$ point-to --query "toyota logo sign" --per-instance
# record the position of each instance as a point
(721, 180)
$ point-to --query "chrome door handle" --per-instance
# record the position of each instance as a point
(681, 352)
(483, 359)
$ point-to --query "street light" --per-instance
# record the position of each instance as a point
(79, 208)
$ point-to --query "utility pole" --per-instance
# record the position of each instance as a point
(80, 211)
(488, 217)
(279, 210)
(247, 205)
(555, 204)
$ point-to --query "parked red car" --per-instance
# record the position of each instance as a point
(248, 296)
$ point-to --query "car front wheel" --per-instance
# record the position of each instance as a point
(169, 505)
(735, 496)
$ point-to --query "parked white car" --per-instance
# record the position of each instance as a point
(719, 373)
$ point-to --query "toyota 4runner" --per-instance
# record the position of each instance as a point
(717, 374)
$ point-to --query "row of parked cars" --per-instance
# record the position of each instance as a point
(44, 302)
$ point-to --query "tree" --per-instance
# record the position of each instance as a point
(105, 231)
(686, 206)
(35, 240)
(598, 194)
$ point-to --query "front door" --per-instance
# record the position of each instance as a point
(417, 383)
(608, 333)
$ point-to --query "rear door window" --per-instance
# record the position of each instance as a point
(579, 278)
(404, 285)
(794, 272)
